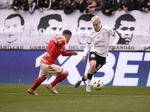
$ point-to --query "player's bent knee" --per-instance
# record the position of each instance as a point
(65, 72)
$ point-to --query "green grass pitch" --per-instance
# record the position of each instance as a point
(14, 98)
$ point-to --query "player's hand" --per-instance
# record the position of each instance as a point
(83, 58)
(113, 47)
(74, 53)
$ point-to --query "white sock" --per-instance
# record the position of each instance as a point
(88, 82)
(80, 79)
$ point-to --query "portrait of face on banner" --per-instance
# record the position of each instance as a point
(49, 27)
(84, 27)
(13, 28)
(125, 27)
(141, 39)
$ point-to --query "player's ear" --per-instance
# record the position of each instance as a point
(23, 27)
(41, 30)
(76, 29)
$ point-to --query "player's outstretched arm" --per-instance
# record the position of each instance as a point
(65, 53)
(115, 41)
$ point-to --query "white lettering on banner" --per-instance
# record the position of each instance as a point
(147, 58)
(107, 69)
(70, 65)
(148, 80)
(123, 67)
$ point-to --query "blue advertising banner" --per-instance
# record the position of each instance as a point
(120, 69)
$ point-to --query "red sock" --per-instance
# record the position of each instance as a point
(37, 82)
(58, 79)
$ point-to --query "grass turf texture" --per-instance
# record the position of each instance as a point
(14, 98)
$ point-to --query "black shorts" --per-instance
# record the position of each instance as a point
(100, 61)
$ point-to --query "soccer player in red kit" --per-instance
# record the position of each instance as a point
(55, 48)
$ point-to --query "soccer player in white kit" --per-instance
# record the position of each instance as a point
(98, 45)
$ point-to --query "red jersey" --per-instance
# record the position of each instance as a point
(54, 49)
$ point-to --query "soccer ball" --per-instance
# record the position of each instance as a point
(98, 85)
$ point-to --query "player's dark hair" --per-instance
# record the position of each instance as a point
(125, 17)
(44, 20)
(16, 15)
(85, 17)
(67, 32)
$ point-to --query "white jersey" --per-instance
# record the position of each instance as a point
(98, 42)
